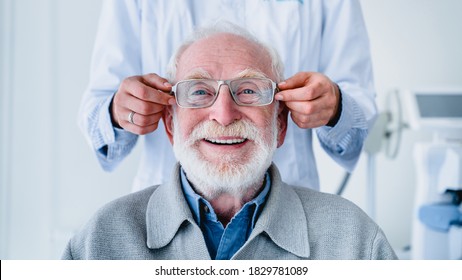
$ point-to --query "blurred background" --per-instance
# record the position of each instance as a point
(51, 183)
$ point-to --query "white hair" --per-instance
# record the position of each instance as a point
(225, 27)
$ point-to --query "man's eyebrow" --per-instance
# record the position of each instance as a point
(247, 73)
(251, 73)
(198, 74)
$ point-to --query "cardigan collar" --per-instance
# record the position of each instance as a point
(283, 218)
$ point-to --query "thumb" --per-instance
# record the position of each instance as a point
(298, 80)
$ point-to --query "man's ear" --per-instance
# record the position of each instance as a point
(167, 118)
(283, 113)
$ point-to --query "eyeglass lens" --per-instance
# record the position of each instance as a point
(245, 91)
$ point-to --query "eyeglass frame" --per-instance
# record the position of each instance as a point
(274, 86)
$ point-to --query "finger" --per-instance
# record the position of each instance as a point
(141, 130)
(324, 104)
(144, 121)
(142, 107)
(314, 84)
(298, 80)
(306, 107)
(164, 88)
(141, 124)
(148, 90)
(157, 81)
(309, 121)
(299, 94)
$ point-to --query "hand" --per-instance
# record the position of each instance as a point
(312, 98)
(147, 97)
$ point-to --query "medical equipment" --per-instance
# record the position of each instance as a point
(384, 136)
(437, 224)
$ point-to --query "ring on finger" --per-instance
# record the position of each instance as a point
(130, 117)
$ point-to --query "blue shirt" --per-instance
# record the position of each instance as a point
(222, 242)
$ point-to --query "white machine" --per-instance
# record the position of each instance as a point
(437, 224)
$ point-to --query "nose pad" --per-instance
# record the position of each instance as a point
(224, 92)
(227, 89)
(225, 111)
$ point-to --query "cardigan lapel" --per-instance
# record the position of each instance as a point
(283, 219)
(167, 214)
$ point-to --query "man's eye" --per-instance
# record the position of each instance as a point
(248, 91)
(199, 92)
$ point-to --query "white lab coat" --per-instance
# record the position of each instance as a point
(139, 37)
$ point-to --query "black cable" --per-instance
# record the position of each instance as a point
(342, 186)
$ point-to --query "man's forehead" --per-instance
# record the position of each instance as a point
(223, 55)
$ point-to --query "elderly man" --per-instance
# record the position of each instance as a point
(225, 199)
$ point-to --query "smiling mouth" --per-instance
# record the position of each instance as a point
(233, 141)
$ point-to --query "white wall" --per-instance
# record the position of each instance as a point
(51, 182)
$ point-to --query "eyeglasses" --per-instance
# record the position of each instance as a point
(202, 93)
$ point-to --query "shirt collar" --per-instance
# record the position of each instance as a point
(195, 201)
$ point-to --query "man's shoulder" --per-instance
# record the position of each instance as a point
(125, 214)
(132, 205)
(320, 204)
(339, 229)
(115, 231)
(332, 213)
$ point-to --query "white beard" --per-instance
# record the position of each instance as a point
(232, 175)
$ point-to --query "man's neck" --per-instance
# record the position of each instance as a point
(227, 205)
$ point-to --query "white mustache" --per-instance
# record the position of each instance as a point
(211, 129)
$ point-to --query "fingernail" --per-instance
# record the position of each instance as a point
(167, 84)
(171, 101)
(279, 97)
(282, 83)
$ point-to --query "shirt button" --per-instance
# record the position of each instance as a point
(206, 209)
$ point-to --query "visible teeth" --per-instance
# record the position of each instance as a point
(227, 141)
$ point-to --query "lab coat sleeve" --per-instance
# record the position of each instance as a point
(116, 55)
(346, 60)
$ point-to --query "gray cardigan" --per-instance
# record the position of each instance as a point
(296, 223)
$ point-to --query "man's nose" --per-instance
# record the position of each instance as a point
(224, 111)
